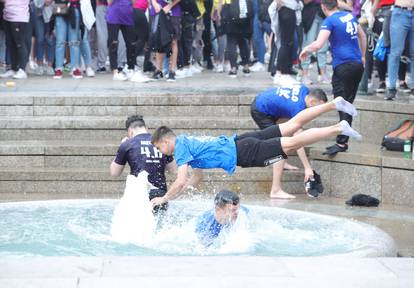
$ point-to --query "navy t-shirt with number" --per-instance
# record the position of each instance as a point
(140, 155)
(282, 102)
(344, 38)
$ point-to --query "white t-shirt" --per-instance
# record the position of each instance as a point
(16, 11)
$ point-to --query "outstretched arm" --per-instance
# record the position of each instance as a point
(176, 188)
(323, 37)
(305, 161)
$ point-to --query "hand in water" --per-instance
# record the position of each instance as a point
(157, 201)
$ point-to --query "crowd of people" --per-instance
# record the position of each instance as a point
(176, 38)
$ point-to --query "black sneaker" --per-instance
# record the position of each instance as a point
(334, 149)
(233, 74)
(391, 94)
(246, 72)
(404, 87)
(157, 75)
(101, 70)
(381, 88)
(171, 77)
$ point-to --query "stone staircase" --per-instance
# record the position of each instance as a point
(60, 144)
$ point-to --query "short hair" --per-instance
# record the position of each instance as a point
(330, 4)
(135, 121)
(318, 94)
(161, 133)
(226, 197)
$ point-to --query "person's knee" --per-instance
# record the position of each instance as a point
(74, 43)
(113, 46)
(288, 144)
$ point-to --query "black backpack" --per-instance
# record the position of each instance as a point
(394, 139)
(231, 12)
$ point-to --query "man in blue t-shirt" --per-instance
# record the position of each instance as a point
(136, 150)
(277, 105)
(251, 149)
(224, 215)
(348, 45)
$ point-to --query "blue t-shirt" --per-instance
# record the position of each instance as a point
(140, 154)
(344, 38)
(207, 227)
(282, 102)
(206, 152)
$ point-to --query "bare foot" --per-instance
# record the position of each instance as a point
(281, 195)
(289, 167)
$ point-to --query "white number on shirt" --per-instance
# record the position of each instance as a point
(351, 28)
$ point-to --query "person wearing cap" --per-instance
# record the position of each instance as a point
(252, 149)
(136, 150)
(278, 105)
(222, 217)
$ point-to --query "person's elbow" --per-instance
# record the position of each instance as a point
(115, 170)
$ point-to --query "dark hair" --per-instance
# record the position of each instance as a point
(160, 133)
(135, 121)
(226, 197)
(318, 94)
(330, 4)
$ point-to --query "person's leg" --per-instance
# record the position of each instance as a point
(399, 28)
(243, 43)
(142, 30)
(20, 55)
(129, 34)
(314, 135)
(231, 50)
(61, 27)
(85, 48)
(207, 49)
(287, 23)
(39, 32)
(101, 35)
(294, 124)
(113, 31)
(74, 39)
(10, 45)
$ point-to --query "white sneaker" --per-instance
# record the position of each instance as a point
(267, 58)
(39, 70)
(49, 71)
(219, 68)
(120, 76)
(196, 68)
(20, 74)
(183, 73)
(90, 72)
(139, 77)
(8, 74)
(324, 79)
(288, 80)
(129, 73)
(257, 67)
(227, 67)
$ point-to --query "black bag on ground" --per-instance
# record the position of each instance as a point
(363, 200)
(394, 139)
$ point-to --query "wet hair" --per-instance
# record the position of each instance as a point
(330, 4)
(226, 197)
(161, 133)
(135, 121)
(318, 94)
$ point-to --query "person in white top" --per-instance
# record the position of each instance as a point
(16, 16)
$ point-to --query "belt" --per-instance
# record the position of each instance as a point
(404, 8)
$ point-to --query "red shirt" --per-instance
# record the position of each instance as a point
(383, 3)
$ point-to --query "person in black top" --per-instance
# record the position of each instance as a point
(136, 150)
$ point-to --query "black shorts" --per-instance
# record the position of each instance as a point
(153, 193)
(259, 148)
(262, 120)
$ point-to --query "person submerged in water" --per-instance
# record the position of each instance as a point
(224, 215)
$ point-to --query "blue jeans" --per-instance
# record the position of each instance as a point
(65, 32)
(258, 34)
(42, 36)
(85, 48)
(309, 38)
(402, 24)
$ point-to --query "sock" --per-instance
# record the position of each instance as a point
(348, 131)
(344, 106)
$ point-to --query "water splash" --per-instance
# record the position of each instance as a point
(133, 221)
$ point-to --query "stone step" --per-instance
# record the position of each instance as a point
(43, 183)
(367, 169)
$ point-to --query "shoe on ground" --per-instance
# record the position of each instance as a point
(119, 76)
(196, 68)
(391, 94)
(232, 74)
(171, 76)
(157, 75)
(246, 72)
(219, 68)
(334, 149)
(267, 57)
(404, 87)
(129, 73)
(257, 67)
(183, 73)
(39, 70)
(288, 80)
(324, 79)
(306, 80)
(381, 88)
(20, 74)
(7, 74)
(101, 70)
(139, 77)
(49, 71)
(277, 79)
(90, 72)
(77, 74)
(58, 74)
